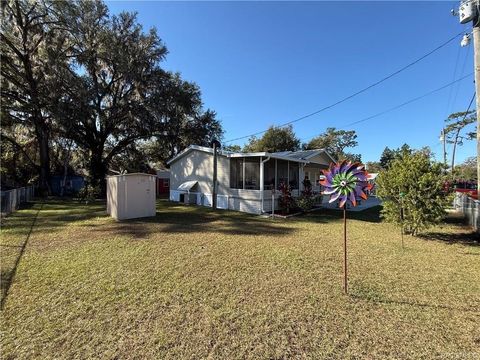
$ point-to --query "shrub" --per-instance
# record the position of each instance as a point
(416, 181)
(307, 198)
(286, 200)
(90, 193)
(305, 203)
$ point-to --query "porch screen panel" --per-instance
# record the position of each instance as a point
(236, 173)
(252, 173)
(269, 174)
(293, 175)
(282, 172)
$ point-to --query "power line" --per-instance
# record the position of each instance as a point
(358, 92)
(470, 105)
(453, 78)
(400, 105)
(452, 105)
(468, 109)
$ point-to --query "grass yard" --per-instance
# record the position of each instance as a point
(191, 283)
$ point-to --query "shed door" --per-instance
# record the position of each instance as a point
(138, 194)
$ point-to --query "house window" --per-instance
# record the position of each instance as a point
(166, 183)
(269, 174)
(282, 172)
(293, 175)
(252, 173)
(236, 173)
(307, 175)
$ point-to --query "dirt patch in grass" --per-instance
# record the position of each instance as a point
(193, 283)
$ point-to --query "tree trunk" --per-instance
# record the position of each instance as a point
(65, 168)
(43, 183)
(98, 171)
(453, 152)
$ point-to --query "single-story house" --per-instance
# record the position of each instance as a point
(163, 182)
(245, 181)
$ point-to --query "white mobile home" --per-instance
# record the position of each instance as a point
(245, 181)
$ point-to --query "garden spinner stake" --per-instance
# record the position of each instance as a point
(345, 181)
(345, 272)
(401, 217)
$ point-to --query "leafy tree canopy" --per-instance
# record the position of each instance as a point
(88, 87)
(467, 170)
(458, 121)
(273, 140)
(34, 47)
(335, 142)
(373, 166)
(388, 155)
(415, 181)
(232, 148)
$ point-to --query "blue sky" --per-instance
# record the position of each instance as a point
(265, 63)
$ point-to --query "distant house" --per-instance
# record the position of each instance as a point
(246, 181)
(73, 184)
(163, 182)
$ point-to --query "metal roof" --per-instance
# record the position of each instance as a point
(304, 154)
(298, 156)
(187, 185)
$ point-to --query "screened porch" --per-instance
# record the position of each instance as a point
(264, 173)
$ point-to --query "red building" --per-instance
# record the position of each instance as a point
(163, 183)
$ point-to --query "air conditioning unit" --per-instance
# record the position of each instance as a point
(467, 11)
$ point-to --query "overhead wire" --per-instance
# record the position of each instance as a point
(357, 92)
(450, 93)
(469, 106)
(400, 105)
(457, 88)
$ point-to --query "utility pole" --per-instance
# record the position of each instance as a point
(444, 140)
(215, 145)
(469, 12)
(476, 49)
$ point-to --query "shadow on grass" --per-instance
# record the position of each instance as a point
(370, 293)
(176, 218)
(8, 275)
(469, 238)
(413, 303)
(60, 212)
(463, 233)
(327, 215)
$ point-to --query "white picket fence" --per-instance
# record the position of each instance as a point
(470, 209)
(12, 199)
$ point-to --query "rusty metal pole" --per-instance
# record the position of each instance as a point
(273, 203)
(345, 272)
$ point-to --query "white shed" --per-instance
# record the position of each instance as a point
(131, 196)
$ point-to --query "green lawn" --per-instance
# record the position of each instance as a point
(191, 283)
